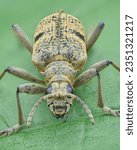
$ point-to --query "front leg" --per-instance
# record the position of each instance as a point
(25, 88)
(21, 73)
(89, 74)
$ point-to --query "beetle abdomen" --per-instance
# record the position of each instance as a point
(59, 37)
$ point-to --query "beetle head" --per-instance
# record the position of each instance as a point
(60, 99)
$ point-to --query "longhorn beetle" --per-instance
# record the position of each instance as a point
(59, 53)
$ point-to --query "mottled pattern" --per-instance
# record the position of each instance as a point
(59, 52)
(59, 71)
(59, 37)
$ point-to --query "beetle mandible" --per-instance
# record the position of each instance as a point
(59, 53)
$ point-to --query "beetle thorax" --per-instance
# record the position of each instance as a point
(59, 71)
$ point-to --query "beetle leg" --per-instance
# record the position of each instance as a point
(22, 37)
(94, 36)
(25, 88)
(21, 73)
(100, 102)
(92, 71)
(10, 131)
(89, 74)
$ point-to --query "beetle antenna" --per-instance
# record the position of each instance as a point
(33, 110)
(84, 105)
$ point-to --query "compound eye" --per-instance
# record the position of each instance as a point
(69, 88)
(49, 89)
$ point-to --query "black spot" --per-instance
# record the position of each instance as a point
(79, 35)
(38, 36)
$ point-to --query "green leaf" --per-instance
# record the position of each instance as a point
(46, 132)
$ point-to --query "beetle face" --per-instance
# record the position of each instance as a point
(60, 98)
(59, 106)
